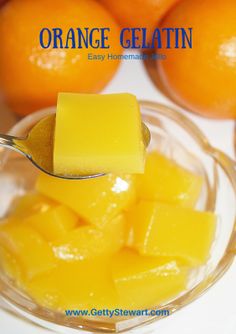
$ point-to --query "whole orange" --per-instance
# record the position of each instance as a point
(203, 78)
(30, 76)
(139, 13)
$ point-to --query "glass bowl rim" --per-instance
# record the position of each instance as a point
(228, 166)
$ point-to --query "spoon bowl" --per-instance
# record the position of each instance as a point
(37, 146)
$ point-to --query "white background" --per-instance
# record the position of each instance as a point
(215, 312)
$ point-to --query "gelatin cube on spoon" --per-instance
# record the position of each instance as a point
(98, 134)
(164, 230)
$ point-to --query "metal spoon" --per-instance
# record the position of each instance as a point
(37, 146)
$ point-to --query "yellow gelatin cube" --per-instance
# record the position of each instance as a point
(162, 229)
(98, 134)
(9, 265)
(87, 241)
(29, 204)
(165, 181)
(30, 250)
(83, 285)
(53, 223)
(143, 281)
(95, 200)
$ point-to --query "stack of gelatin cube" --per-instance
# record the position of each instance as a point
(126, 241)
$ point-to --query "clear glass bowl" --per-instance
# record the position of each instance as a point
(177, 137)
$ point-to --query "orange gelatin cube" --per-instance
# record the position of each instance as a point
(165, 181)
(29, 204)
(103, 134)
(30, 250)
(143, 281)
(166, 230)
(83, 285)
(96, 200)
(54, 223)
(87, 241)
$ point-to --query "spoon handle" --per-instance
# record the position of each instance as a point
(7, 141)
(11, 142)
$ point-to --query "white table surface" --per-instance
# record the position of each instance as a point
(215, 312)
